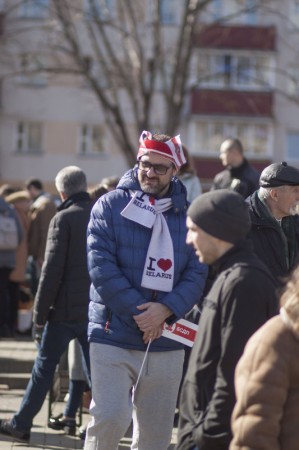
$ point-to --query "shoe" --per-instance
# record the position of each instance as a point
(82, 432)
(7, 429)
(58, 423)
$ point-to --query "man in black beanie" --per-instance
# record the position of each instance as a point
(240, 300)
(274, 214)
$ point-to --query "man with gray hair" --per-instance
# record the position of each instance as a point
(61, 303)
(275, 228)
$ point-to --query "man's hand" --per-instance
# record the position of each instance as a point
(152, 334)
(151, 320)
(37, 332)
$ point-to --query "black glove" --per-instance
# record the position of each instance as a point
(37, 332)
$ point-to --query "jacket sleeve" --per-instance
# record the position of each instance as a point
(244, 308)
(52, 269)
(110, 282)
(262, 383)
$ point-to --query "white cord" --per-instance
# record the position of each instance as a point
(140, 371)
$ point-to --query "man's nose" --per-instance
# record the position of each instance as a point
(150, 172)
(188, 238)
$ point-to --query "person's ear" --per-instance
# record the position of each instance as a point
(175, 170)
(62, 196)
(274, 194)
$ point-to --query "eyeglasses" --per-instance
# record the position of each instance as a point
(159, 169)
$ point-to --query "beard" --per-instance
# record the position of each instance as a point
(294, 210)
(152, 186)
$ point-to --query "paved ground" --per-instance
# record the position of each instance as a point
(16, 358)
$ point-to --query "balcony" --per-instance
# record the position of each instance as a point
(240, 37)
(232, 103)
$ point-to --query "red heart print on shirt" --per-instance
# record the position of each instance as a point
(164, 264)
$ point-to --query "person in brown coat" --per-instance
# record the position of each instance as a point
(41, 212)
(266, 414)
(21, 202)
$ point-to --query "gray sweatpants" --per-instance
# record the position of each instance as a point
(114, 371)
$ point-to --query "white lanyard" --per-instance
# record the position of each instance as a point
(140, 371)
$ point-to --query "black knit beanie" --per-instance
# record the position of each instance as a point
(222, 213)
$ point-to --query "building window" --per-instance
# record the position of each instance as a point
(251, 12)
(235, 71)
(242, 11)
(34, 9)
(100, 9)
(293, 80)
(30, 70)
(91, 140)
(29, 137)
(293, 145)
(294, 14)
(231, 11)
(214, 10)
(168, 9)
(256, 138)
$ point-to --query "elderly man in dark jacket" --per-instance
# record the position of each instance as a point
(275, 222)
(61, 303)
(241, 299)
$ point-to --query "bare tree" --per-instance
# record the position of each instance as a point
(130, 49)
(126, 58)
(135, 65)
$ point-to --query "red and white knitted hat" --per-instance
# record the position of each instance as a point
(171, 149)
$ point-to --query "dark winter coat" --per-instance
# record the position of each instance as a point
(63, 291)
(8, 257)
(279, 253)
(241, 299)
(117, 249)
(243, 179)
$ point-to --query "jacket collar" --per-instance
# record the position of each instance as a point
(236, 171)
(75, 198)
(233, 255)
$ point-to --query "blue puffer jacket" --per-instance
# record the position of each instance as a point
(117, 249)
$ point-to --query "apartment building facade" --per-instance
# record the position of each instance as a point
(243, 81)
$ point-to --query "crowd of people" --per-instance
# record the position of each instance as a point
(112, 265)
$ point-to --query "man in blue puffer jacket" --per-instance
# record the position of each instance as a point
(143, 274)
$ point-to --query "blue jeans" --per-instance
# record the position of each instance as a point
(55, 340)
(76, 389)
